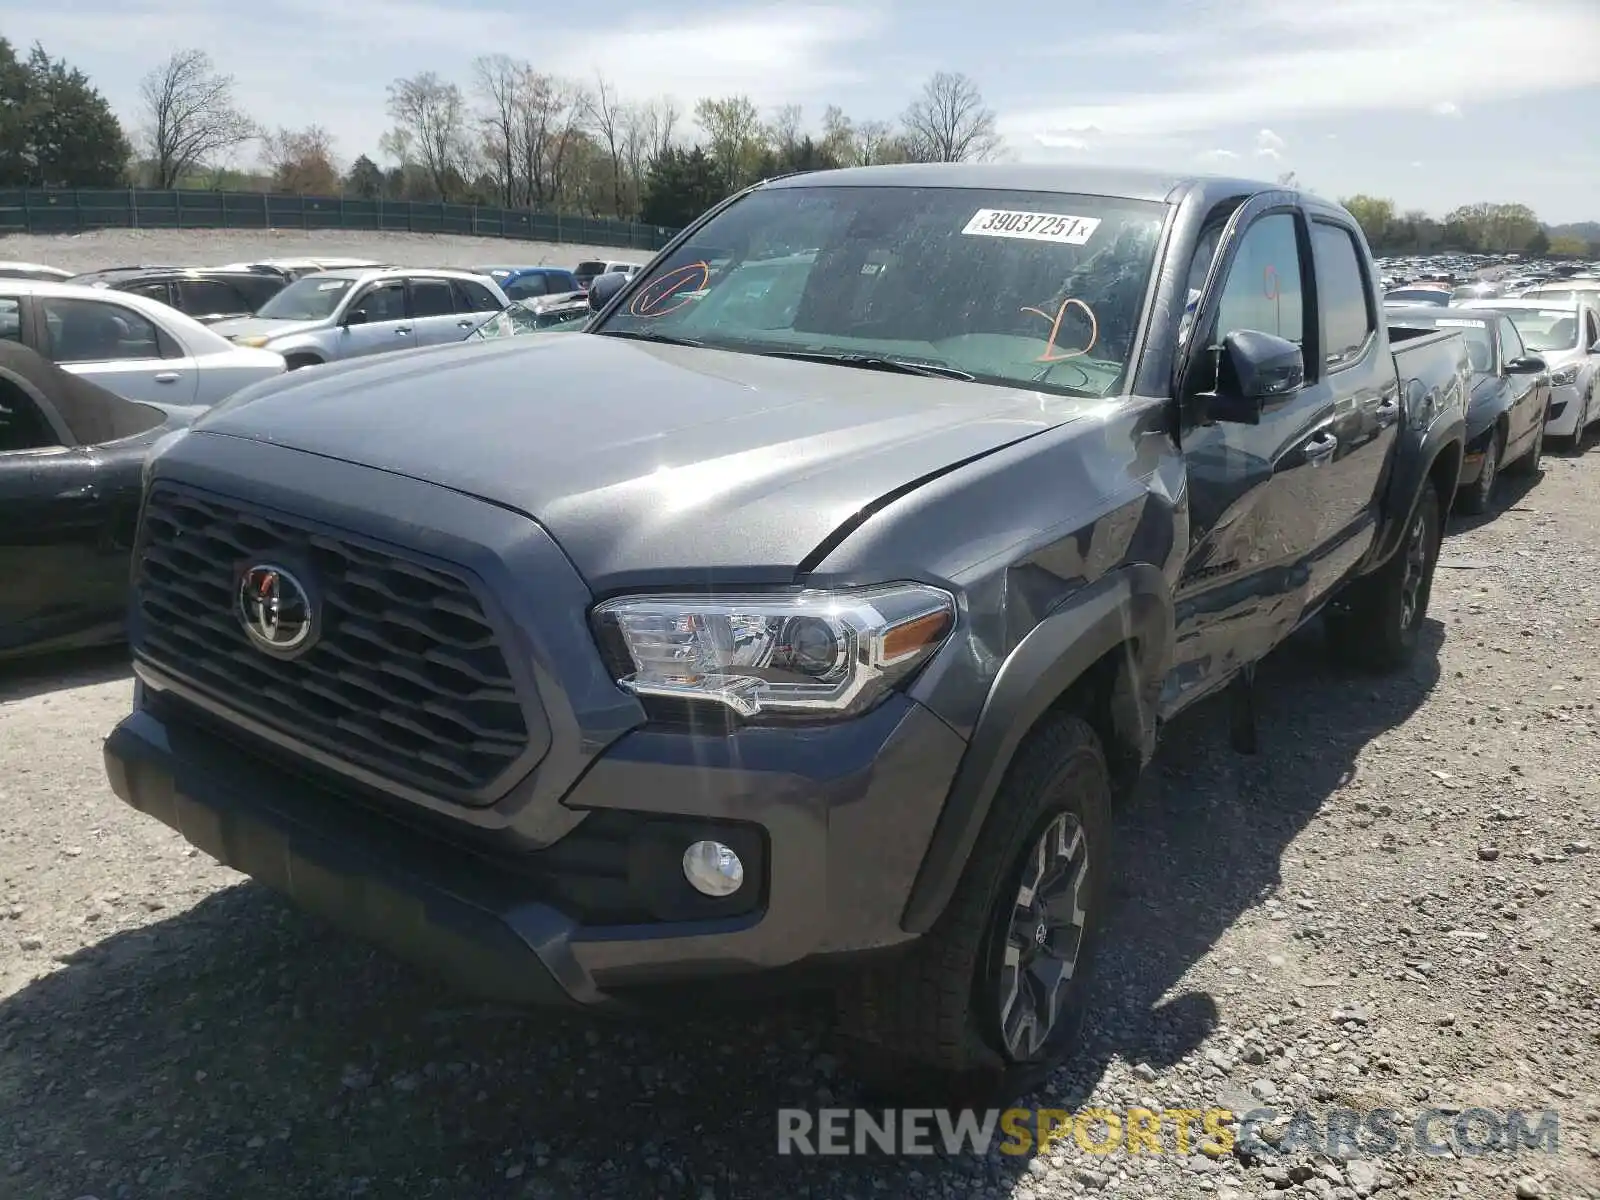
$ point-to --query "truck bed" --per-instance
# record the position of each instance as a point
(1431, 362)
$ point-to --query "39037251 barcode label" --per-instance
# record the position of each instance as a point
(1032, 226)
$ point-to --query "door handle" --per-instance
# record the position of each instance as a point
(87, 491)
(1320, 448)
(464, 324)
(1389, 411)
(404, 329)
(168, 377)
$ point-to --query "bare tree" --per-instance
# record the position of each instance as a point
(550, 113)
(499, 82)
(785, 130)
(838, 135)
(636, 151)
(949, 122)
(604, 110)
(301, 161)
(661, 117)
(875, 143)
(433, 112)
(190, 116)
(570, 135)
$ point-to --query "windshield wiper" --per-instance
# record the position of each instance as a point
(646, 335)
(872, 362)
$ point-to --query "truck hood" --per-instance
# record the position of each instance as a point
(232, 327)
(647, 463)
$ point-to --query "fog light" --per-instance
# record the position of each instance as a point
(713, 869)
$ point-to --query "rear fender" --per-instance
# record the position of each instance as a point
(1435, 463)
(1126, 616)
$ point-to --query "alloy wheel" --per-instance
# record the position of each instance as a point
(1044, 937)
(1416, 570)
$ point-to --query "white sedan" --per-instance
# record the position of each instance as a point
(138, 348)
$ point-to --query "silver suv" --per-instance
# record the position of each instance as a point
(340, 314)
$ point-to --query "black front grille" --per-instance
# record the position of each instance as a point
(405, 678)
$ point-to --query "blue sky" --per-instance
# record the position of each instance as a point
(1432, 102)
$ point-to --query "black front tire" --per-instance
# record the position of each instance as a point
(1377, 623)
(1532, 462)
(928, 1027)
(1477, 497)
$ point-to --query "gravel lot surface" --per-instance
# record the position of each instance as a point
(1394, 904)
(213, 247)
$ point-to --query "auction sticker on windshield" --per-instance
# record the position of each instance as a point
(1032, 226)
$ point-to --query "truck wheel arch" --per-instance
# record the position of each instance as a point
(1103, 652)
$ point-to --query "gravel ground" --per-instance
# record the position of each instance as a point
(1394, 904)
(213, 247)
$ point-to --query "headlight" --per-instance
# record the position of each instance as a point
(253, 342)
(1564, 376)
(816, 653)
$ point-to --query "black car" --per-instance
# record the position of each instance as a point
(205, 293)
(808, 615)
(71, 454)
(1510, 396)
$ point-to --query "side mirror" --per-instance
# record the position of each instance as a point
(603, 287)
(1253, 370)
(1531, 364)
(356, 316)
(1595, 349)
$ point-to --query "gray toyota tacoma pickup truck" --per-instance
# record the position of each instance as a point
(812, 608)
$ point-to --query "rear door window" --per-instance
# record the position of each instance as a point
(432, 298)
(475, 298)
(210, 297)
(82, 331)
(257, 291)
(1348, 320)
(528, 285)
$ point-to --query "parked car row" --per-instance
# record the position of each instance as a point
(1554, 326)
(193, 335)
(136, 347)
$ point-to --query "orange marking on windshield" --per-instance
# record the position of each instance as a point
(1050, 354)
(652, 296)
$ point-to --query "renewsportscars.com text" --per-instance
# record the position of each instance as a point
(1337, 1132)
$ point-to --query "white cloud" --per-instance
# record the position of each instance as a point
(1302, 61)
(1217, 156)
(1268, 142)
(1076, 137)
(1445, 108)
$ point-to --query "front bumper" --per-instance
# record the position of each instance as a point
(1564, 406)
(835, 821)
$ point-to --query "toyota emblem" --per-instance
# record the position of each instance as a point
(275, 609)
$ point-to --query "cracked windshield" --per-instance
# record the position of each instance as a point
(894, 274)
